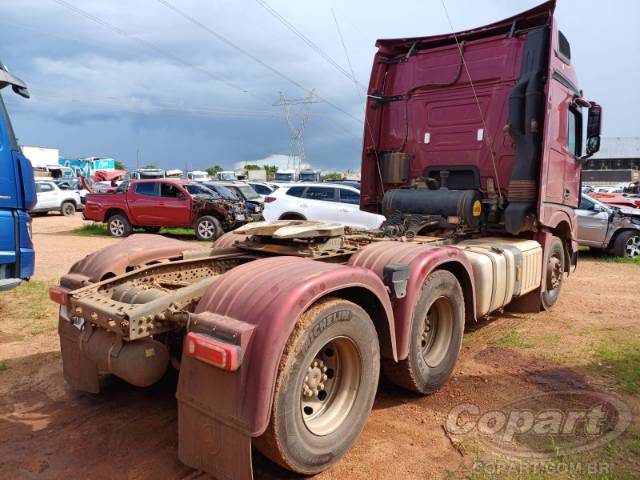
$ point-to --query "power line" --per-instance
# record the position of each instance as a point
(157, 49)
(248, 54)
(274, 13)
(142, 106)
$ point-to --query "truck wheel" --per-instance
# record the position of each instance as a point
(67, 209)
(118, 226)
(554, 274)
(436, 336)
(208, 228)
(326, 385)
(151, 229)
(627, 244)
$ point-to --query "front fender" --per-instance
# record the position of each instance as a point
(422, 260)
(271, 294)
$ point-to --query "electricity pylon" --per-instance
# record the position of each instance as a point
(296, 120)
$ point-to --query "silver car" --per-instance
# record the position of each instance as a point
(615, 229)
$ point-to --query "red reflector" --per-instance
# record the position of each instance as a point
(59, 295)
(269, 199)
(214, 352)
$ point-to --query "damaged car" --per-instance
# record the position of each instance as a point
(610, 228)
(174, 203)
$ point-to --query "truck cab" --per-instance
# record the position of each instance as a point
(17, 196)
(493, 115)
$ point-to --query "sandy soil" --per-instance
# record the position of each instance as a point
(48, 431)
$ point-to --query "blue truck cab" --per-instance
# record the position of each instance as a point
(17, 196)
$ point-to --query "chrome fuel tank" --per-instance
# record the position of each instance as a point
(503, 268)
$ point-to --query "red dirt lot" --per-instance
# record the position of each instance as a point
(48, 431)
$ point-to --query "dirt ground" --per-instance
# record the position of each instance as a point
(48, 431)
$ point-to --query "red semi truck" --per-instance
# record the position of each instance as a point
(473, 146)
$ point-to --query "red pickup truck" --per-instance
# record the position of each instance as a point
(152, 204)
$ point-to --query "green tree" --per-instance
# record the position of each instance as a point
(252, 167)
(214, 170)
(332, 176)
(119, 165)
(271, 171)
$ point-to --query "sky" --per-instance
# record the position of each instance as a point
(192, 83)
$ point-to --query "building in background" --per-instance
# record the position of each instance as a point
(41, 157)
(617, 162)
(89, 166)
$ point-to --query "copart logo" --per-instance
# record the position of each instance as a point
(545, 425)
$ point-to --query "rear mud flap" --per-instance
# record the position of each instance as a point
(216, 447)
(78, 371)
(208, 445)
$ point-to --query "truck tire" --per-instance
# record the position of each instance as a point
(118, 226)
(68, 209)
(627, 244)
(151, 229)
(554, 274)
(325, 387)
(436, 336)
(208, 228)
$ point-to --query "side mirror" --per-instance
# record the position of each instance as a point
(594, 125)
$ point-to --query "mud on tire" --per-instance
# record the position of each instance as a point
(325, 388)
(553, 274)
(436, 336)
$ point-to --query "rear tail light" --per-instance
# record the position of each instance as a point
(59, 295)
(214, 352)
(269, 199)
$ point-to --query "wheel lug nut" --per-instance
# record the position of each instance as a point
(324, 369)
(324, 378)
(321, 386)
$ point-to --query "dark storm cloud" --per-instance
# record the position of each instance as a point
(99, 93)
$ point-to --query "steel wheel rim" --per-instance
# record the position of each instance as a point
(116, 227)
(68, 210)
(205, 229)
(554, 272)
(437, 331)
(632, 248)
(330, 386)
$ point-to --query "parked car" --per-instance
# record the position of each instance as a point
(73, 184)
(152, 204)
(263, 189)
(52, 198)
(607, 227)
(231, 196)
(253, 202)
(320, 201)
(198, 176)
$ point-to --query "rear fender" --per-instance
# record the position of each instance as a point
(116, 259)
(270, 294)
(422, 260)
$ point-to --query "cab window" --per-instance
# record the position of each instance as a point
(148, 189)
(168, 190)
(43, 187)
(574, 132)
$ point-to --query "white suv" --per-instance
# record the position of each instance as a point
(319, 201)
(52, 198)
